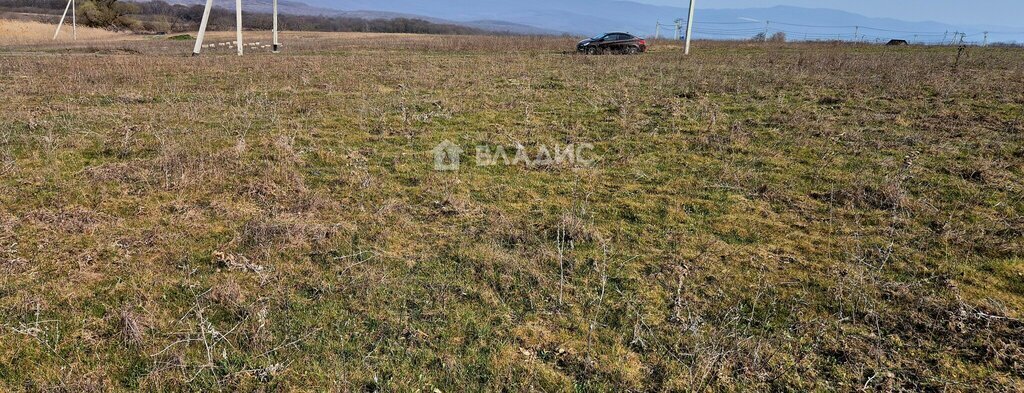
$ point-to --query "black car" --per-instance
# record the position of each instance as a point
(613, 43)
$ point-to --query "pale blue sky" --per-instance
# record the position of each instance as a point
(959, 12)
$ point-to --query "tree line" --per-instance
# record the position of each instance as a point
(161, 17)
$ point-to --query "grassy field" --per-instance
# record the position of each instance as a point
(784, 216)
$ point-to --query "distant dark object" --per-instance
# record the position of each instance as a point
(898, 43)
(613, 42)
(762, 37)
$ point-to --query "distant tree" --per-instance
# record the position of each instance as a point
(39, 4)
(1011, 44)
(161, 16)
(108, 14)
(764, 37)
(159, 24)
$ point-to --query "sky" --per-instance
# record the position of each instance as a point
(1008, 13)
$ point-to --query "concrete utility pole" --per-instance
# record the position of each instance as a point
(202, 28)
(277, 44)
(238, 25)
(74, 21)
(689, 28)
(657, 30)
(985, 43)
(238, 29)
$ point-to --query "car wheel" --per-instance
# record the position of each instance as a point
(632, 50)
(593, 51)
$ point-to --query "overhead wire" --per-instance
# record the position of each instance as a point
(720, 28)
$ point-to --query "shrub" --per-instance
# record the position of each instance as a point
(109, 14)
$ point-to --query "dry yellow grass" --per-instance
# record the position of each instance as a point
(27, 32)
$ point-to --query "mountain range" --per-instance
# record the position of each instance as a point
(589, 17)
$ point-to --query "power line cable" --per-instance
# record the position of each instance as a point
(857, 27)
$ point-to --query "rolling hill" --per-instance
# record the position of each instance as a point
(299, 8)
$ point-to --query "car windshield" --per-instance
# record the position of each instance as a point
(597, 37)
